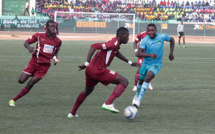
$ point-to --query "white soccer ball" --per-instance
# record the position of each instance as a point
(130, 112)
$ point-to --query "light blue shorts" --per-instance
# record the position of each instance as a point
(144, 69)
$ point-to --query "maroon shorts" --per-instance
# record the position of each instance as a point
(95, 75)
(37, 69)
(140, 60)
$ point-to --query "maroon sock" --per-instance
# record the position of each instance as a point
(136, 79)
(119, 89)
(78, 102)
(23, 92)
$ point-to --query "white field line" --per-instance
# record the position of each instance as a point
(82, 57)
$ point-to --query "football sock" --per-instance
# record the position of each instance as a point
(143, 90)
(184, 42)
(138, 89)
(136, 79)
(119, 89)
(78, 102)
(23, 92)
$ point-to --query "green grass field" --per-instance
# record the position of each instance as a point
(182, 101)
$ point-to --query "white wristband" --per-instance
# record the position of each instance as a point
(129, 62)
(135, 50)
(86, 63)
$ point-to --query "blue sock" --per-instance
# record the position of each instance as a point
(138, 89)
(143, 90)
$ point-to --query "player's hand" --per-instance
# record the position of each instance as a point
(171, 57)
(81, 67)
(154, 56)
(31, 49)
(135, 64)
(55, 60)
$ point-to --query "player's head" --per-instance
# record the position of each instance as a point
(122, 35)
(151, 30)
(50, 26)
(52, 17)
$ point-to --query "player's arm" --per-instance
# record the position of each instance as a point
(29, 41)
(90, 54)
(122, 57)
(27, 46)
(172, 45)
(55, 55)
(178, 30)
(142, 54)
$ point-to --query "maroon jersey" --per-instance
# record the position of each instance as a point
(140, 36)
(56, 28)
(45, 48)
(107, 51)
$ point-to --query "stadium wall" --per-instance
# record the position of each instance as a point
(36, 24)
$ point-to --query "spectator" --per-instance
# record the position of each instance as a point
(16, 18)
(187, 4)
(26, 7)
(32, 11)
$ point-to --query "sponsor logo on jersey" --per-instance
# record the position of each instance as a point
(112, 72)
(104, 46)
(159, 42)
(116, 43)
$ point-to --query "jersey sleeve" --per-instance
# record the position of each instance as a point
(143, 43)
(166, 37)
(138, 38)
(105, 46)
(32, 39)
(58, 47)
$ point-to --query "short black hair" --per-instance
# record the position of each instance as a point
(153, 25)
(121, 31)
(49, 21)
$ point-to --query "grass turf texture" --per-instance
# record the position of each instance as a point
(182, 100)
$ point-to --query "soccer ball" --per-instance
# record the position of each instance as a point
(130, 112)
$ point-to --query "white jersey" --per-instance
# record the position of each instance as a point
(180, 28)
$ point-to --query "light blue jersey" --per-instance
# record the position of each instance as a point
(154, 46)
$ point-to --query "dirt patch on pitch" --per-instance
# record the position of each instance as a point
(16, 35)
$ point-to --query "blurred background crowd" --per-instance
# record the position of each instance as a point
(157, 10)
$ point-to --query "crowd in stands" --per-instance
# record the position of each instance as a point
(197, 11)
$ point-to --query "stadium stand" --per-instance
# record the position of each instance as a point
(156, 10)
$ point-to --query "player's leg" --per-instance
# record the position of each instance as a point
(150, 75)
(140, 60)
(25, 90)
(179, 39)
(183, 37)
(82, 96)
(28, 71)
(121, 83)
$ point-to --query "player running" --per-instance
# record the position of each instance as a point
(48, 46)
(96, 70)
(56, 25)
(138, 38)
(151, 48)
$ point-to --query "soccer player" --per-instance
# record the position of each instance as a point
(56, 25)
(96, 70)
(151, 48)
(138, 38)
(180, 31)
(48, 45)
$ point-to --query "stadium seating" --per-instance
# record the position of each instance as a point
(169, 10)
